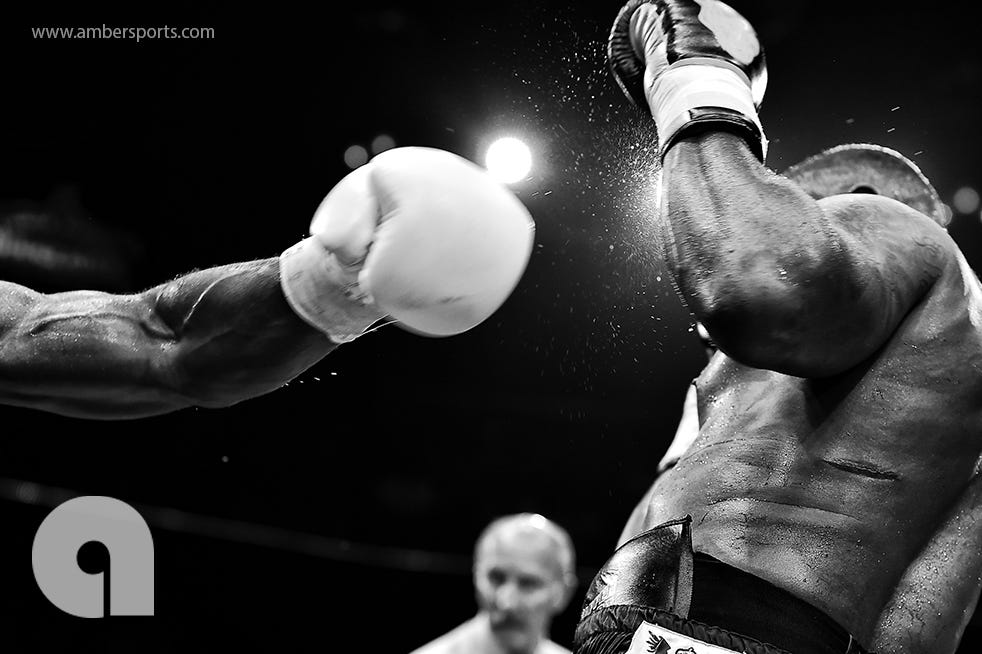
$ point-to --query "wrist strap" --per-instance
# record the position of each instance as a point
(702, 91)
(321, 291)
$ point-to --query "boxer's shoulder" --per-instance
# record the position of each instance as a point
(872, 214)
(887, 238)
(971, 287)
(947, 322)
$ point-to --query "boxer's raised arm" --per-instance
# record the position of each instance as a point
(780, 281)
(418, 234)
(210, 338)
(784, 282)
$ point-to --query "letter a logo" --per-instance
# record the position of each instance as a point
(122, 531)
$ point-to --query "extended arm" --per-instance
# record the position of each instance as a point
(210, 338)
(781, 281)
(418, 234)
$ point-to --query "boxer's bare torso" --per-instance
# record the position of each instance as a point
(831, 487)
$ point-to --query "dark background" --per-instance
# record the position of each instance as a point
(342, 508)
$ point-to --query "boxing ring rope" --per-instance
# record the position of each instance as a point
(238, 531)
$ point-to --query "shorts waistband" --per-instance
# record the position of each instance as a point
(657, 578)
(740, 602)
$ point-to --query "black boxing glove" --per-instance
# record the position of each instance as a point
(695, 64)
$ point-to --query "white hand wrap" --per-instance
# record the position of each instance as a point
(322, 292)
(698, 84)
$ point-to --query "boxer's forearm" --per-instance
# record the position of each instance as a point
(778, 281)
(936, 598)
(750, 253)
(210, 338)
(237, 336)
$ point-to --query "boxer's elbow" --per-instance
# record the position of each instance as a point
(805, 324)
(766, 345)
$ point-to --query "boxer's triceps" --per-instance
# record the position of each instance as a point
(855, 266)
(210, 338)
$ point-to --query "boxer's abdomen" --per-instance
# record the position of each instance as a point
(829, 488)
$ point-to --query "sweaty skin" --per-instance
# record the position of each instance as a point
(210, 338)
(840, 425)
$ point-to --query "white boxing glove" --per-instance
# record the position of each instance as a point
(418, 234)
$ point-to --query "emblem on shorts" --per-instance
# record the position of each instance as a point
(657, 644)
(655, 639)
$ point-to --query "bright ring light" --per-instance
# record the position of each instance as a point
(508, 160)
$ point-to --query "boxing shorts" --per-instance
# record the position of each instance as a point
(654, 595)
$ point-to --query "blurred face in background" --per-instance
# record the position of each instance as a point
(521, 583)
